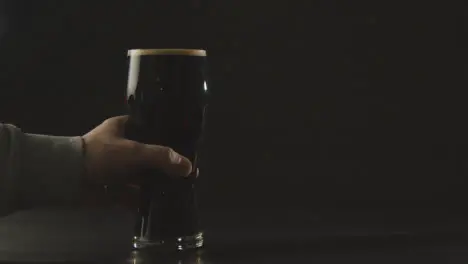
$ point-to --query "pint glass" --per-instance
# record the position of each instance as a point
(167, 98)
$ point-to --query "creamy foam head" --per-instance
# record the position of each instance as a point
(184, 52)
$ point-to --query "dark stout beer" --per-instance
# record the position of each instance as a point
(167, 99)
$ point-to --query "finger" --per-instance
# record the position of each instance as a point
(158, 157)
(167, 159)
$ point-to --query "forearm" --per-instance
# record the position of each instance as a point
(38, 170)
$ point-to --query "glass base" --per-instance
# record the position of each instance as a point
(179, 243)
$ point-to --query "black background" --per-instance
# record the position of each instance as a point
(315, 103)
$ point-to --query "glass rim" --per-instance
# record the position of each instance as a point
(184, 52)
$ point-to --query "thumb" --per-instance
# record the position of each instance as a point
(162, 157)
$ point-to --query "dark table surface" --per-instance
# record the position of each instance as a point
(243, 236)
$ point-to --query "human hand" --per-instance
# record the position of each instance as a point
(110, 159)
